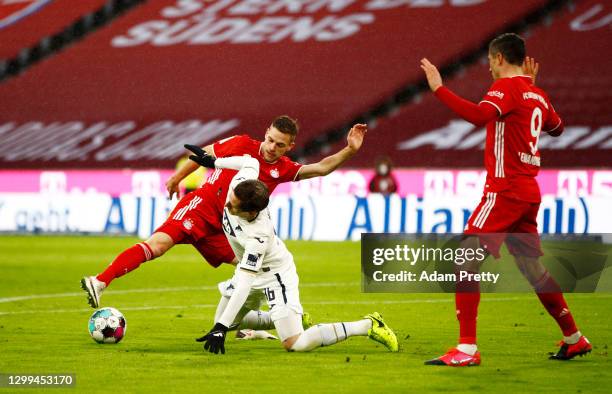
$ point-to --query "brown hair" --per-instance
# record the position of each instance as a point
(253, 195)
(286, 125)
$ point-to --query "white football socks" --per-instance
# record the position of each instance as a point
(467, 348)
(572, 339)
(330, 333)
(308, 340)
(360, 327)
(257, 320)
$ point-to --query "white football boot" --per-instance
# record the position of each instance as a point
(94, 289)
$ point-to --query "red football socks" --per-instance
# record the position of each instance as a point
(127, 261)
(467, 298)
(550, 295)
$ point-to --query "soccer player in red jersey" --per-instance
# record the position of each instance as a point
(515, 112)
(196, 219)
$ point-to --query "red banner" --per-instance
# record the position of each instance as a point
(23, 23)
(168, 67)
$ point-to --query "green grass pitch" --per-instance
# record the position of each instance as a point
(169, 302)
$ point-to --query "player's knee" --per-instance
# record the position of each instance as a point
(159, 243)
(290, 344)
(157, 249)
(531, 268)
(470, 243)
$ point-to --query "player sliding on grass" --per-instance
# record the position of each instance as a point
(266, 266)
(515, 112)
(196, 218)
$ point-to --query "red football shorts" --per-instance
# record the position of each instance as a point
(187, 225)
(498, 219)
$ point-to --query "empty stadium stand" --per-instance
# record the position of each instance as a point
(23, 24)
(168, 72)
(31, 30)
(573, 49)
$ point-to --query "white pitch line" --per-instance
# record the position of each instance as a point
(204, 306)
(135, 308)
(339, 302)
(154, 290)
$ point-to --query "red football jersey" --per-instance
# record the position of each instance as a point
(512, 158)
(214, 190)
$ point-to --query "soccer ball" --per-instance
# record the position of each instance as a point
(107, 325)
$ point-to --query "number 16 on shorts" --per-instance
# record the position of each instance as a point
(269, 294)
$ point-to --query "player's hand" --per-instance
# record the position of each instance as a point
(200, 156)
(172, 185)
(355, 136)
(214, 341)
(531, 68)
(434, 79)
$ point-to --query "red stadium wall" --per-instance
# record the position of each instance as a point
(172, 72)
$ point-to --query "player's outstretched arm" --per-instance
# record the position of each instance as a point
(330, 163)
(237, 163)
(478, 115)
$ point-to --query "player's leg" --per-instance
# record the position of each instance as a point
(215, 249)
(125, 262)
(294, 339)
(485, 229)
(175, 229)
(550, 295)
(317, 335)
(286, 311)
(131, 258)
(467, 298)
(525, 247)
(183, 223)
